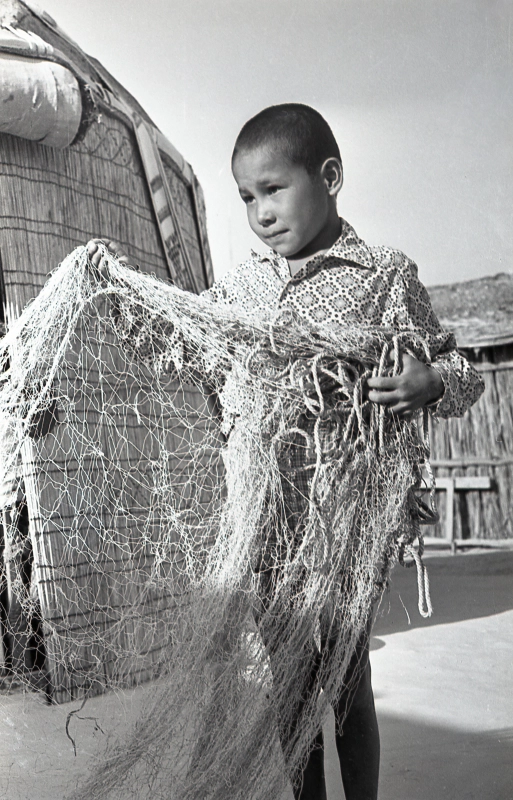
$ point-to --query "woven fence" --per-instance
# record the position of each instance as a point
(480, 444)
(53, 200)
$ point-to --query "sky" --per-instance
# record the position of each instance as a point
(418, 94)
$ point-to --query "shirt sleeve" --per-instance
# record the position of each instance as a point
(158, 344)
(410, 309)
(143, 336)
(164, 350)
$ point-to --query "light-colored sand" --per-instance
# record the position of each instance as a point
(444, 694)
(444, 687)
(37, 760)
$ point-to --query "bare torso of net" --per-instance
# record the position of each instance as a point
(245, 556)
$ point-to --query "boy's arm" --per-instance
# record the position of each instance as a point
(146, 336)
(459, 385)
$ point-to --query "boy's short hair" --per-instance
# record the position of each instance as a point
(299, 131)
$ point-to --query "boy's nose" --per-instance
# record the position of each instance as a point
(265, 216)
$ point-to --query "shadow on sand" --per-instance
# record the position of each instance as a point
(465, 586)
(422, 761)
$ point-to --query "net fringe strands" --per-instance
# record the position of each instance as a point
(218, 566)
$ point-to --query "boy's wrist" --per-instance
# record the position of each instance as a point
(438, 387)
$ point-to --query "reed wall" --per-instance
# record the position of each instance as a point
(480, 443)
(52, 201)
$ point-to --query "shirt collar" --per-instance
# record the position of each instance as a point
(348, 247)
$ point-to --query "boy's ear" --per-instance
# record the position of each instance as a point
(332, 174)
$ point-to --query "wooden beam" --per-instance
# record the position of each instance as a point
(486, 366)
(472, 482)
(488, 544)
(471, 461)
(465, 482)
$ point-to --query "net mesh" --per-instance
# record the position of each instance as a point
(218, 548)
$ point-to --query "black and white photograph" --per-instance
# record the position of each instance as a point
(256, 415)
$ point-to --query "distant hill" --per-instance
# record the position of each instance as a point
(479, 312)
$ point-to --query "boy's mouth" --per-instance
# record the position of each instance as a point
(274, 235)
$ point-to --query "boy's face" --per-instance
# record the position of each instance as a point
(287, 207)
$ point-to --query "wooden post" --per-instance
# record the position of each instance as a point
(459, 483)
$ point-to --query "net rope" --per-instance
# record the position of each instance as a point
(238, 536)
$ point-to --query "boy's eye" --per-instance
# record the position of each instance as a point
(272, 189)
(247, 198)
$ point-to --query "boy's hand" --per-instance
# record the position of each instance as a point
(95, 253)
(416, 387)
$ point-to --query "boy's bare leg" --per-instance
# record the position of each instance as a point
(358, 748)
(313, 786)
(358, 743)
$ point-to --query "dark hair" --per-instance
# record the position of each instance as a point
(300, 132)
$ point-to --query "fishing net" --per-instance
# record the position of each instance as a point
(217, 546)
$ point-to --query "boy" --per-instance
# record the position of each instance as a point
(288, 170)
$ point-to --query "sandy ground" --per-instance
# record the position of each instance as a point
(444, 686)
(444, 694)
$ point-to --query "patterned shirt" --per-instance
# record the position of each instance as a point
(355, 284)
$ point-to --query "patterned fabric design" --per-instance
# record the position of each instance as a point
(354, 284)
